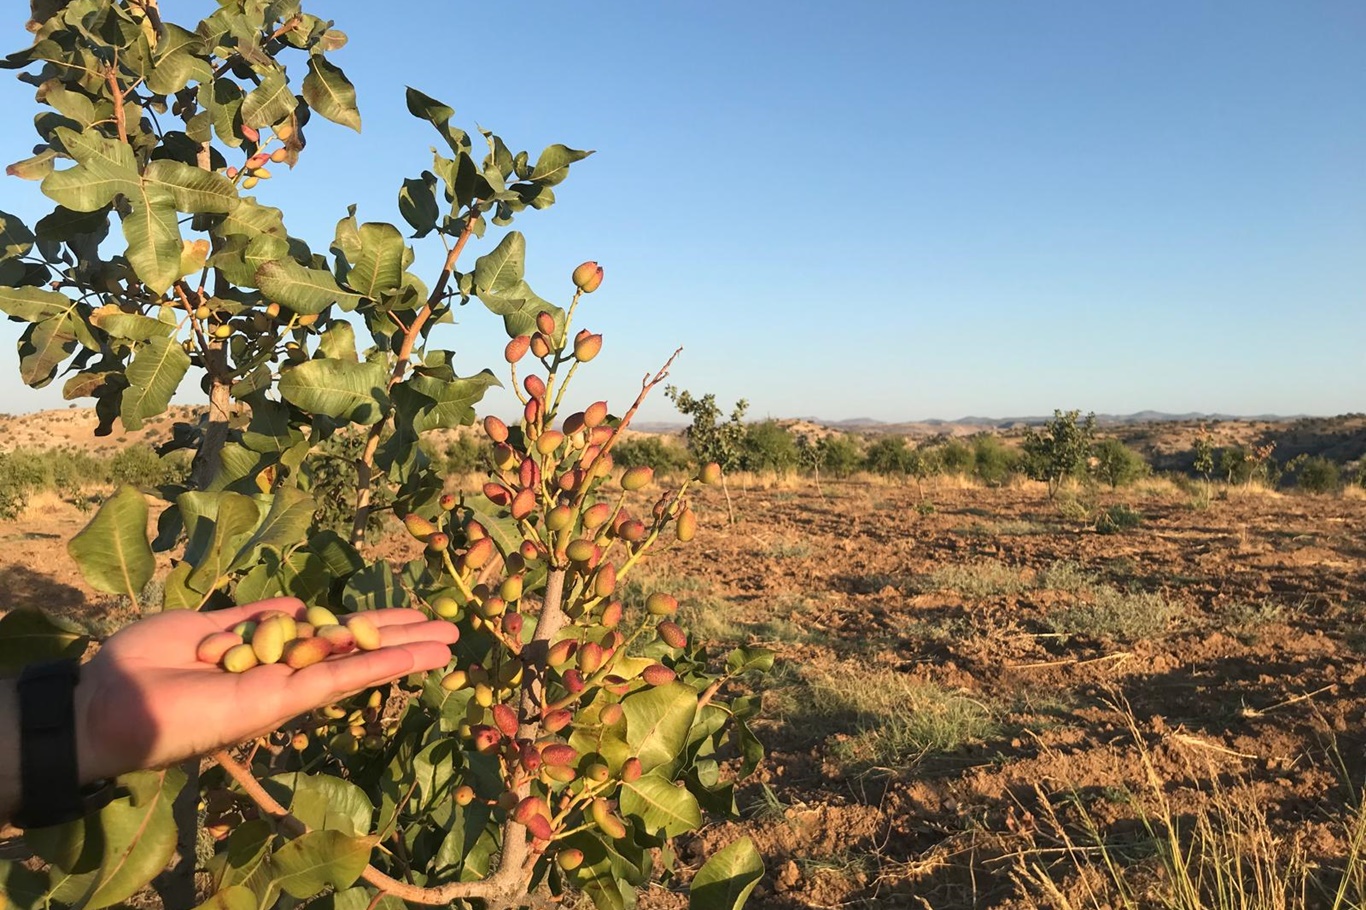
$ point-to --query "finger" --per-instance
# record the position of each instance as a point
(330, 680)
(394, 616)
(230, 617)
(434, 630)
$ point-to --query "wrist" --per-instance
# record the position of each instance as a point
(9, 749)
(94, 752)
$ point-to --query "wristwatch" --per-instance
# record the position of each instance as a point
(50, 791)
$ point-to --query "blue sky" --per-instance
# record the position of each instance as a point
(886, 209)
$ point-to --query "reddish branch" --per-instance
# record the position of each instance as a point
(518, 859)
(648, 383)
(365, 465)
(111, 76)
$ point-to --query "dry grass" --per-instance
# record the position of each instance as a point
(1157, 488)
(1250, 490)
(883, 719)
(1226, 854)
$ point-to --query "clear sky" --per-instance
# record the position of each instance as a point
(890, 209)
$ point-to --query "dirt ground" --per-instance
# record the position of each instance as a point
(1224, 662)
(968, 681)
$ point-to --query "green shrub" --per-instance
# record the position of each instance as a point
(993, 462)
(888, 455)
(955, 457)
(330, 475)
(840, 454)
(141, 466)
(768, 447)
(464, 455)
(1118, 518)
(1061, 449)
(1117, 464)
(651, 451)
(1318, 475)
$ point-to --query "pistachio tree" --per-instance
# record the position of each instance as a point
(573, 735)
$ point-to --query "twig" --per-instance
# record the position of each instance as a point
(111, 76)
(1258, 712)
(1071, 661)
(646, 384)
(365, 465)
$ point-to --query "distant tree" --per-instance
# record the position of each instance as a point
(888, 455)
(1117, 464)
(651, 451)
(992, 460)
(1317, 474)
(956, 457)
(708, 438)
(841, 454)
(1061, 449)
(768, 447)
(1203, 449)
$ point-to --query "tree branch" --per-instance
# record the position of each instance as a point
(365, 465)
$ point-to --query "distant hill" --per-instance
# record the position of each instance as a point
(1166, 439)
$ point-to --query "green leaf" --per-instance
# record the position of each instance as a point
(233, 897)
(379, 266)
(192, 189)
(657, 722)
(42, 348)
(153, 377)
(34, 168)
(104, 169)
(434, 773)
(660, 806)
(24, 888)
(417, 203)
(35, 304)
(452, 402)
(30, 636)
(129, 326)
(358, 898)
(137, 835)
(373, 588)
(321, 859)
(338, 389)
(324, 802)
(553, 165)
(152, 230)
(179, 61)
(270, 102)
(330, 93)
(15, 237)
(339, 341)
(64, 224)
(112, 551)
(305, 291)
(214, 545)
(725, 881)
(742, 660)
(285, 525)
(501, 268)
(176, 594)
(519, 305)
(438, 115)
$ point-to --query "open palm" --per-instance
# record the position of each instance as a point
(144, 701)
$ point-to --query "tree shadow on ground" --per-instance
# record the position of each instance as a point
(21, 586)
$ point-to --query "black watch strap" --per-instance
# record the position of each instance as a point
(49, 780)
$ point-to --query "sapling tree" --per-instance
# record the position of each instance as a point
(711, 440)
(1060, 450)
(569, 738)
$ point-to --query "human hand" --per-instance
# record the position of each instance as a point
(145, 701)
